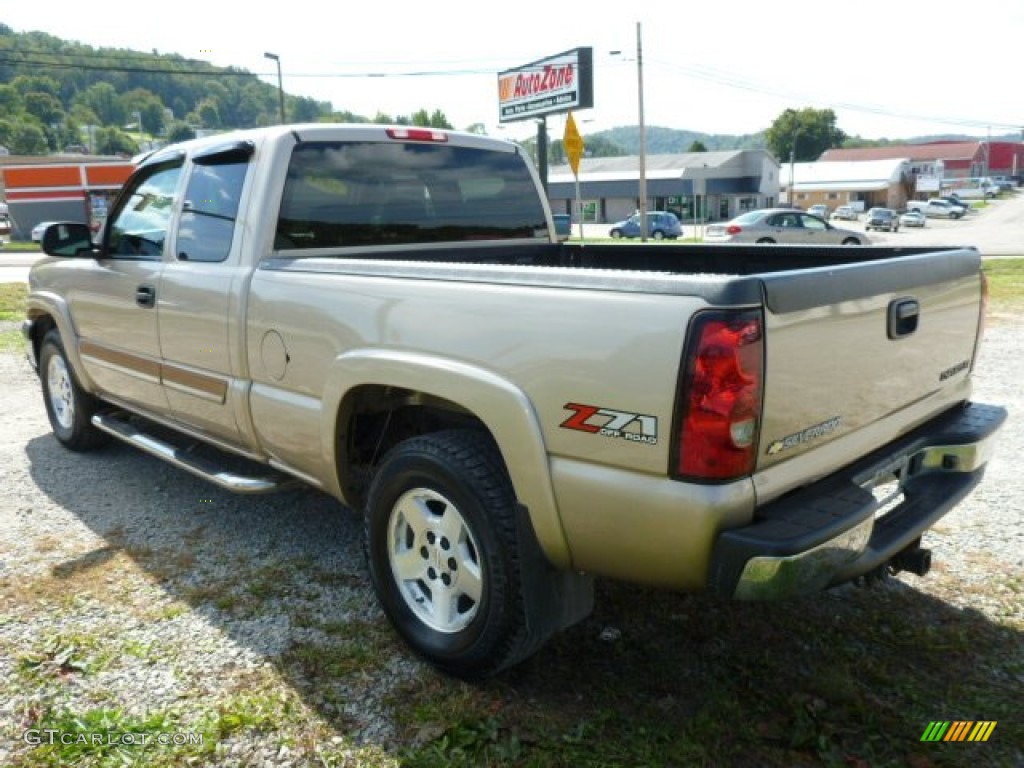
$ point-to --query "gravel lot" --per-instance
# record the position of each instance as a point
(128, 587)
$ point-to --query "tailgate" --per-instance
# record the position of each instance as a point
(858, 354)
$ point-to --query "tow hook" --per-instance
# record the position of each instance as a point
(914, 558)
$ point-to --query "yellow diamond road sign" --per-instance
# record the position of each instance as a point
(573, 143)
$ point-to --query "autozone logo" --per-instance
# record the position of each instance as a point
(607, 422)
(551, 78)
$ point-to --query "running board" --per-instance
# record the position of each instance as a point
(197, 465)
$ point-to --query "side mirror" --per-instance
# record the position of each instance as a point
(68, 239)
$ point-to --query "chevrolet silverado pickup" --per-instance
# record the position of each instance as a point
(387, 314)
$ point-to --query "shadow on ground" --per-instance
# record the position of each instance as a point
(850, 678)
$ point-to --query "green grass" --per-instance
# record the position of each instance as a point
(12, 310)
(1006, 284)
(12, 301)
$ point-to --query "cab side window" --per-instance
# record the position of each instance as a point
(210, 209)
(138, 226)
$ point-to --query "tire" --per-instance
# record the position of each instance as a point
(851, 241)
(616, 234)
(658, 235)
(68, 407)
(442, 552)
(956, 215)
(766, 241)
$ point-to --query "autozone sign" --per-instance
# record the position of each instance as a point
(557, 84)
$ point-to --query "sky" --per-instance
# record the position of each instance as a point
(900, 70)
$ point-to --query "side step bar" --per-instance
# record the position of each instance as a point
(197, 465)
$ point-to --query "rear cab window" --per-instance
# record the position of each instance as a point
(365, 193)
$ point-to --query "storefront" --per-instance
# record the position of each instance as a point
(696, 186)
(60, 191)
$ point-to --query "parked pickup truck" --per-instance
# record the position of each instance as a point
(386, 314)
(937, 208)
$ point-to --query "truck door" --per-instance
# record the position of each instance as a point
(114, 298)
(201, 295)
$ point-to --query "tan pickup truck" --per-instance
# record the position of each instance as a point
(387, 314)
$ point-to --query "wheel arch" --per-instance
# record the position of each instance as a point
(377, 397)
(46, 311)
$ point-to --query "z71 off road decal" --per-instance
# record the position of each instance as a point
(635, 427)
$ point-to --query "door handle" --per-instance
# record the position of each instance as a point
(145, 295)
(903, 317)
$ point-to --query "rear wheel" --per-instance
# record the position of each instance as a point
(766, 241)
(442, 551)
(851, 241)
(68, 407)
(616, 234)
(658, 235)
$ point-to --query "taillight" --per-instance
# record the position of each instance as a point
(417, 134)
(719, 398)
(732, 229)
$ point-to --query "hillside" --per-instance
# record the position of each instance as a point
(57, 95)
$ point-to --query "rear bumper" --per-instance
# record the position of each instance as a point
(835, 530)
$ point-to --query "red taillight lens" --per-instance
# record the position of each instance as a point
(720, 396)
(732, 229)
(417, 134)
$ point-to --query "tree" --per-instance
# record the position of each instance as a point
(153, 118)
(305, 109)
(209, 116)
(45, 107)
(114, 141)
(102, 99)
(10, 100)
(36, 83)
(697, 146)
(807, 133)
(178, 131)
(438, 119)
(27, 139)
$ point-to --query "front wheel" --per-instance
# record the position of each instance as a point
(68, 407)
(442, 552)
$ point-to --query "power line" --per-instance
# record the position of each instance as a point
(731, 80)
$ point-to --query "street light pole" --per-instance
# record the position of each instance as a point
(280, 86)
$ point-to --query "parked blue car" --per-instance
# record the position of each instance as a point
(660, 225)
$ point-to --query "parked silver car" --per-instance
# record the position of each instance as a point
(912, 219)
(781, 225)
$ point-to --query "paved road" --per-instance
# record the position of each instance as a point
(996, 230)
(14, 266)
